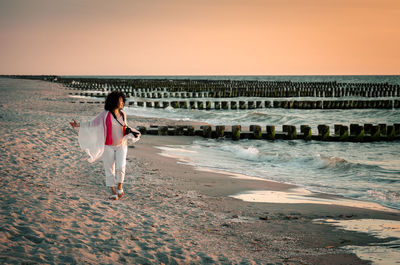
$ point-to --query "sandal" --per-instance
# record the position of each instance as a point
(120, 193)
(113, 197)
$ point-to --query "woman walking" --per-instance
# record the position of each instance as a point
(107, 136)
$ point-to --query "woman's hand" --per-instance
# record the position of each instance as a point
(74, 124)
(138, 132)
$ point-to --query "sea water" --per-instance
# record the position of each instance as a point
(274, 116)
(363, 171)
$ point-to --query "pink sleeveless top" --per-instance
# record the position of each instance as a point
(115, 131)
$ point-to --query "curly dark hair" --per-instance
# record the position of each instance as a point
(112, 100)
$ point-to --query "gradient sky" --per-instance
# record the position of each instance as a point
(199, 37)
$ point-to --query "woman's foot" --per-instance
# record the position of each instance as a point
(120, 193)
(113, 197)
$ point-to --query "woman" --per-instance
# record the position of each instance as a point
(106, 136)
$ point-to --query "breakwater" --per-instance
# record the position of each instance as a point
(260, 104)
(157, 88)
(342, 133)
(52, 78)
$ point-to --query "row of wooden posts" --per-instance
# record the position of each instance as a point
(342, 133)
(287, 104)
(183, 95)
(235, 88)
(52, 78)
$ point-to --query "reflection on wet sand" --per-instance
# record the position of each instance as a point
(300, 195)
(380, 253)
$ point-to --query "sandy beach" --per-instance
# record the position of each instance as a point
(55, 207)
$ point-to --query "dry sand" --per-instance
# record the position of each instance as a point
(54, 206)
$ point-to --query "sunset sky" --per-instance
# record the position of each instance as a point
(200, 37)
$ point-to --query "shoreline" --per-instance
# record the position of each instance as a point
(224, 184)
(256, 195)
(55, 207)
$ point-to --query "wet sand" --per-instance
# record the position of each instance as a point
(55, 207)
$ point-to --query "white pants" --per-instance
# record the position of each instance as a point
(114, 159)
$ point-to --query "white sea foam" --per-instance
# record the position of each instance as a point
(331, 161)
(249, 153)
